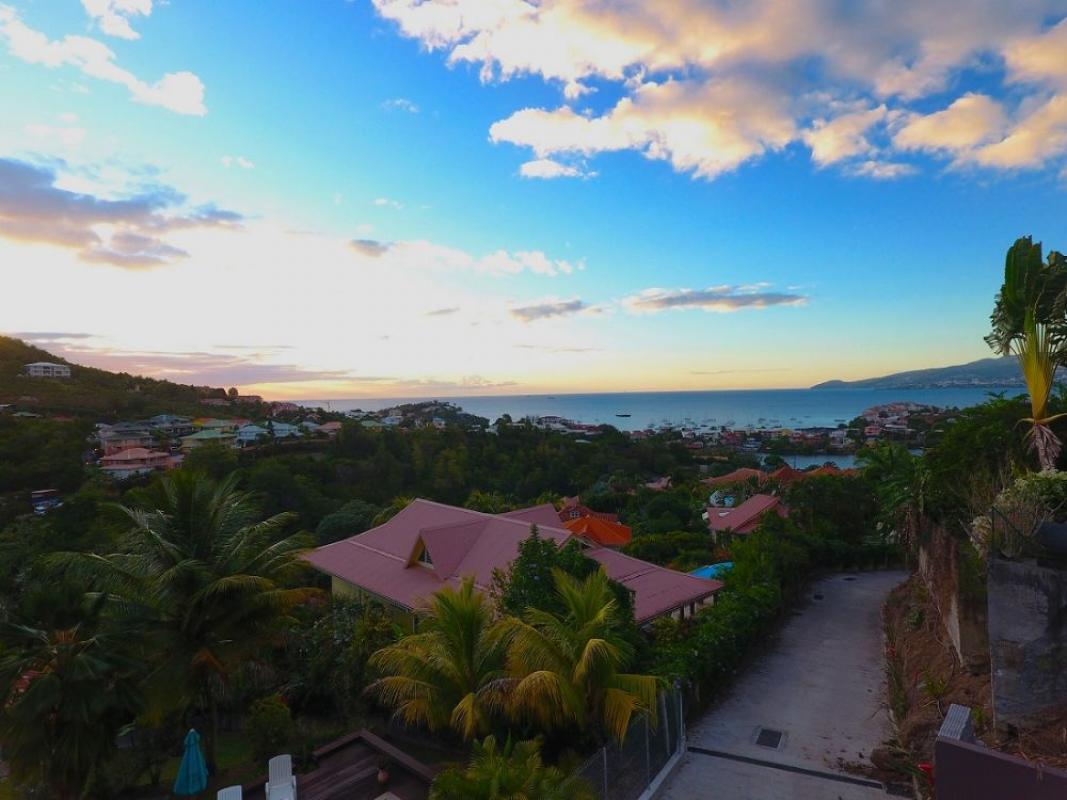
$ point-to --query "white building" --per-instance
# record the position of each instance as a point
(46, 369)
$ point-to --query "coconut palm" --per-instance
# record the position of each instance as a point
(511, 772)
(64, 692)
(208, 583)
(566, 669)
(1029, 322)
(444, 676)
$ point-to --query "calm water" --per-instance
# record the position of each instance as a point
(789, 408)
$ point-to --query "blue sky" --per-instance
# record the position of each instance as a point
(339, 198)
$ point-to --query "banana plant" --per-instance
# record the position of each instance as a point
(1029, 321)
(1039, 354)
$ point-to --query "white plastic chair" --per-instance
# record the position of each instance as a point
(229, 793)
(281, 782)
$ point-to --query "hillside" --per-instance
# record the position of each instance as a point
(993, 373)
(90, 391)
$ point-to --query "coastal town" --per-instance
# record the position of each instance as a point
(127, 448)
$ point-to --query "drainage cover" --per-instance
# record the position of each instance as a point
(768, 737)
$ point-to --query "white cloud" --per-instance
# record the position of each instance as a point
(976, 129)
(385, 202)
(843, 136)
(702, 128)
(67, 134)
(548, 309)
(237, 161)
(882, 170)
(400, 104)
(1039, 58)
(708, 86)
(547, 168)
(113, 16)
(423, 255)
(720, 299)
(180, 92)
(1037, 136)
(969, 121)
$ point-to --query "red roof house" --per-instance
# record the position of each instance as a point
(573, 509)
(786, 474)
(428, 545)
(737, 476)
(600, 531)
(744, 518)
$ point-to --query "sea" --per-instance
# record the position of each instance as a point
(741, 408)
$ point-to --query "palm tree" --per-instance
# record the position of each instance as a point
(64, 692)
(207, 582)
(566, 668)
(445, 675)
(899, 480)
(511, 772)
(1029, 322)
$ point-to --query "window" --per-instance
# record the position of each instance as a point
(424, 557)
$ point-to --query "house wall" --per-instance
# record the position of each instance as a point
(1027, 638)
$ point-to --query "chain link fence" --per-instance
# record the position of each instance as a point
(624, 771)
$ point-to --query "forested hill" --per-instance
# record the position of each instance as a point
(90, 391)
(987, 372)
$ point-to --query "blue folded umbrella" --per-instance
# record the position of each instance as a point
(192, 772)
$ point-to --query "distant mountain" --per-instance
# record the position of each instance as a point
(991, 373)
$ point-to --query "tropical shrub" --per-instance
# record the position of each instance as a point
(269, 727)
(1018, 511)
(512, 772)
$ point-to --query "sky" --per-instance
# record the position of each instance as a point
(385, 198)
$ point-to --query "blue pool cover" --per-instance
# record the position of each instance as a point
(712, 571)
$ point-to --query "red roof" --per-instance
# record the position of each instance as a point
(460, 542)
(572, 508)
(786, 474)
(745, 517)
(830, 469)
(737, 476)
(600, 531)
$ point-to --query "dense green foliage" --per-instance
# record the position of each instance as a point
(203, 581)
(270, 726)
(527, 582)
(512, 772)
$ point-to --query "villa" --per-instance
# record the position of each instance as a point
(137, 461)
(203, 437)
(46, 369)
(124, 435)
(573, 509)
(745, 518)
(331, 429)
(429, 545)
(250, 434)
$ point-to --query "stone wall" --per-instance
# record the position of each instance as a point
(1027, 639)
(960, 603)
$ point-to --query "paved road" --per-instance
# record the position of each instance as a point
(821, 685)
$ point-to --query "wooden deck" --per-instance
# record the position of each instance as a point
(348, 770)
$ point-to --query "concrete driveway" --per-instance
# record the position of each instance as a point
(813, 700)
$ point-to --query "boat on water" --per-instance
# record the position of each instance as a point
(624, 415)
